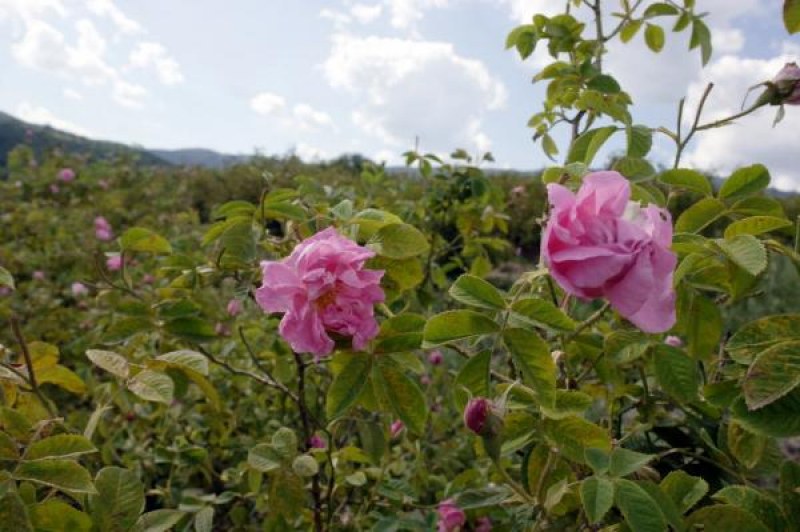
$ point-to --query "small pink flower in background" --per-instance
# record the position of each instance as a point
(425, 380)
(788, 83)
(316, 442)
(18, 184)
(476, 413)
(483, 524)
(5, 290)
(104, 184)
(518, 190)
(435, 357)
(322, 287)
(396, 428)
(674, 341)
(102, 229)
(597, 243)
(66, 175)
(235, 307)
(451, 517)
(148, 279)
(114, 263)
(54, 189)
(39, 275)
(79, 289)
(221, 329)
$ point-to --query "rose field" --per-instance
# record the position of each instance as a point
(611, 342)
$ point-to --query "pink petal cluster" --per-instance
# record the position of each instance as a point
(316, 442)
(66, 175)
(597, 243)
(673, 341)
(39, 275)
(102, 229)
(435, 357)
(483, 524)
(234, 307)
(451, 517)
(788, 83)
(114, 263)
(322, 288)
(396, 428)
(79, 289)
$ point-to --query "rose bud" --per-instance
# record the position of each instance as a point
(787, 82)
(477, 413)
(435, 357)
(451, 517)
(234, 307)
(674, 341)
(316, 442)
(396, 428)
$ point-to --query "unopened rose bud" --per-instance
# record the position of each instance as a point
(148, 279)
(396, 428)
(79, 289)
(425, 380)
(787, 82)
(483, 524)
(39, 275)
(234, 307)
(451, 517)
(316, 442)
(114, 263)
(674, 341)
(435, 357)
(477, 413)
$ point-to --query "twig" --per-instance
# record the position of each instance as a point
(682, 143)
(307, 430)
(29, 365)
(587, 322)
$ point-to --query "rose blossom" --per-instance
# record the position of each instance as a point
(102, 229)
(39, 275)
(597, 243)
(322, 287)
(316, 442)
(114, 263)
(54, 188)
(79, 289)
(674, 341)
(483, 524)
(435, 357)
(234, 307)
(451, 517)
(788, 83)
(396, 428)
(66, 175)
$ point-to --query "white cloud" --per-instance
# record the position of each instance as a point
(153, 54)
(28, 10)
(751, 139)
(42, 47)
(727, 41)
(410, 88)
(339, 19)
(128, 94)
(107, 8)
(405, 13)
(71, 94)
(366, 13)
(309, 153)
(306, 117)
(40, 115)
(267, 103)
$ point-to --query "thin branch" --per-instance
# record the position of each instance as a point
(587, 322)
(29, 365)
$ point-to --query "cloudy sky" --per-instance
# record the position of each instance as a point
(323, 77)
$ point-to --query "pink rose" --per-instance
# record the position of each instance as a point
(102, 229)
(234, 307)
(114, 263)
(316, 442)
(476, 413)
(54, 189)
(221, 329)
(674, 341)
(322, 287)
(599, 244)
(79, 289)
(39, 275)
(435, 357)
(788, 83)
(148, 279)
(66, 175)
(451, 517)
(396, 428)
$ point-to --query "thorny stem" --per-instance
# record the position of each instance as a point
(682, 143)
(519, 490)
(587, 322)
(307, 432)
(31, 378)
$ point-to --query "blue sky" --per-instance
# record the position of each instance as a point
(367, 76)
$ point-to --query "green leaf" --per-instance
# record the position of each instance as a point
(204, 520)
(660, 9)
(305, 466)
(701, 36)
(790, 492)
(400, 333)
(598, 459)
(398, 241)
(585, 147)
(531, 355)
(668, 508)
(574, 435)
(145, 240)
(746, 446)
(704, 328)
(65, 475)
(605, 84)
(700, 215)
(456, 325)
(348, 383)
(159, 520)
(759, 206)
(568, 403)
(60, 446)
(641, 511)
(476, 292)
(629, 30)
(677, 373)
(778, 419)
(624, 462)
(404, 395)
(640, 140)
(755, 225)
(263, 458)
(744, 182)
(597, 496)
(152, 386)
(14, 514)
(684, 489)
(773, 374)
(762, 334)
(654, 37)
(187, 359)
(474, 376)
(119, 499)
(192, 328)
(6, 279)
(537, 312)
(8, 447)
(746, 251)
(56, 516)
(724, 518)
(763, 507)
(791, 15)
(687, 179)
(109, 361)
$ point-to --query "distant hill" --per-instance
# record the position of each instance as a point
(14, 131)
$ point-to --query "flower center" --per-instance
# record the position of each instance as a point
(326, 299)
